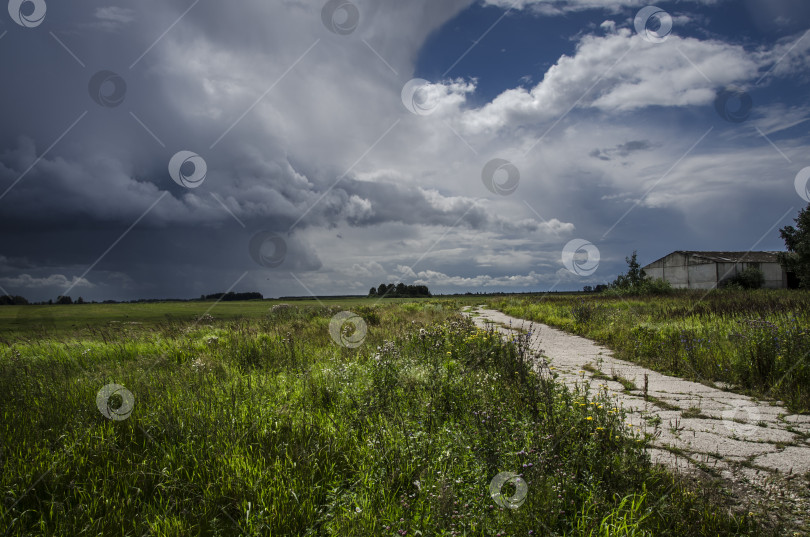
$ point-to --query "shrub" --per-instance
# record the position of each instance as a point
(748, 278)
(584, 312)
(647, 286)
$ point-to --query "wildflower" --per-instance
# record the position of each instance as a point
(358, 510)
(589, 418)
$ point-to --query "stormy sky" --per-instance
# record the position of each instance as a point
(179, 148)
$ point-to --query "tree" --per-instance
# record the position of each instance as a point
(372, 291)
(634, 277)
(64, 300)
(635, 281)
(797, 242)
(381, 290)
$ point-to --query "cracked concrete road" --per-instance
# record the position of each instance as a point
(758, 447)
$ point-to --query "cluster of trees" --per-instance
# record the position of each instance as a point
(389, 290)
(68, 300)
(231, 296)
(598, 289)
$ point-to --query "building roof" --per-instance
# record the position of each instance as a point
(731, 257)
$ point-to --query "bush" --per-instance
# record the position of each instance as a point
(648, 286)
(748, 278)
(584, 312)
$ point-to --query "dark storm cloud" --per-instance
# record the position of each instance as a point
(303, 133)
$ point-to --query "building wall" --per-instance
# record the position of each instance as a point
(676, 271)
(702, 275)
(775, 275)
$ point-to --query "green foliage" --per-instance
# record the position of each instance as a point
(265, 426)
(399, 290)
(797, 242)
(748, 278)
(584, 311)
(648, 286)
(634, 276)
(636, 282)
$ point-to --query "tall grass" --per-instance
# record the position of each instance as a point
(756, 340)
(267, 427)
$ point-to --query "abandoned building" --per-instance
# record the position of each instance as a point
(705, 270)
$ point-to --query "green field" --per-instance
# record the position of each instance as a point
(757, 341)
(68, 319)
(256, 421)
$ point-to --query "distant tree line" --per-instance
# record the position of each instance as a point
(231, 296)
(9, 300)
(400, 290)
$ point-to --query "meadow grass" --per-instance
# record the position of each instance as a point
(47, 321)
(757, 341)
(266, 426)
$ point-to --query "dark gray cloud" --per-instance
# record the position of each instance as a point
(303, 133)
